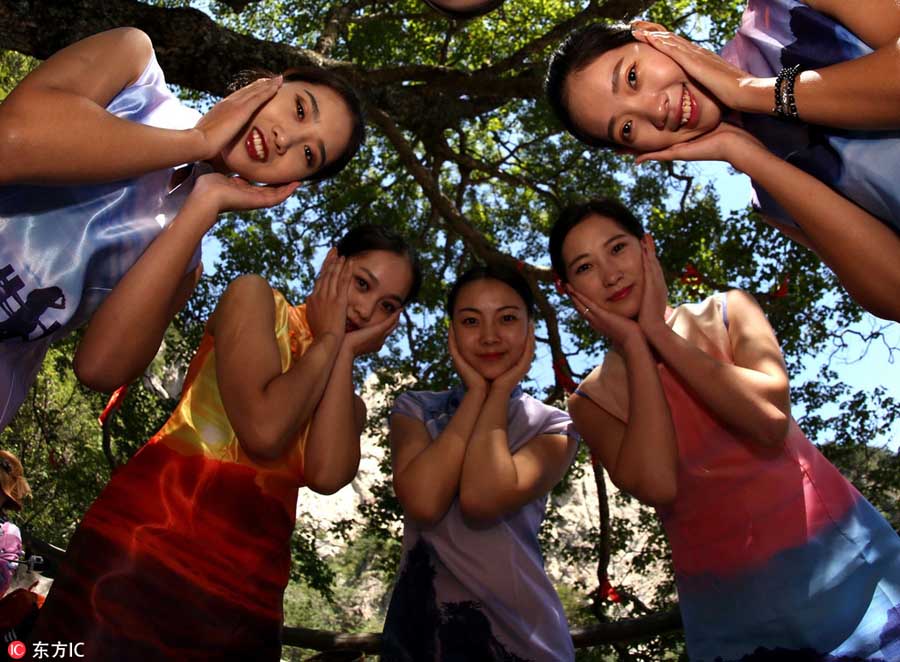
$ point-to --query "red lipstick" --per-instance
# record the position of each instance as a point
(621, 294)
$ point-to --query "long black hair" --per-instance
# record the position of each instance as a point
(371, 237)
(576, 52)
(500, 273)
(575, 213)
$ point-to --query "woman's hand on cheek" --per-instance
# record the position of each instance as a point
(236, 194)
(471, 378)
(516, 373)
(722, 79)
(617, 328)
(724, 143)
(226, 120)
(326, 307)
(370, 339)
(652, 313)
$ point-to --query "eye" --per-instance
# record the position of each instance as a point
(388, 307)
(309, 155)
(468, 321)
(617, 248)
(626, 131)
(632, 76)
(362, 284)
(581, 268)
(509, 317)
(301, 114)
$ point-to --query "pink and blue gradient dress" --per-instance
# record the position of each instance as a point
(465, 593)
(777, 557)
(63, 248)
(861, 165)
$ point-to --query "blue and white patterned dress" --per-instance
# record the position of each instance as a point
(63, 248)
(861, 165)
(481, 594)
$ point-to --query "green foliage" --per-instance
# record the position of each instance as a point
(57, 438)
(13, 68)
(506, 167)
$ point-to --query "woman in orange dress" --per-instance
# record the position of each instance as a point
(185, 555)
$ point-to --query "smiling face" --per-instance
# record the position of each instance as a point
(640, 98)
(605, 263)
(302, 128)
(380, 282)
(490, 322)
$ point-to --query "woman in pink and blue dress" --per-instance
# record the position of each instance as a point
(814, 87)
(776, 555)
(100, 159)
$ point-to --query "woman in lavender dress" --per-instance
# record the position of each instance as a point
(472, 469)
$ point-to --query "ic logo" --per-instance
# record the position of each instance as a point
(16, 650)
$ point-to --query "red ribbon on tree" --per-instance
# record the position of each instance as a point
(563, 377)
(782, 290)
(115, 401)
(609, 592)
(690, 275)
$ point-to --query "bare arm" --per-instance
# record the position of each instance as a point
(266, 408)
(862, 251)
(752, 396)
(863, 93)
(641, 456)
(60, 108)
(495, 482)
(126, 331)
(331, 457)
(426, 471)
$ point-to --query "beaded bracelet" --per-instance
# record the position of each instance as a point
(785, 104)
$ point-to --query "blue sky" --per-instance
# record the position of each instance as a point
(859, 368)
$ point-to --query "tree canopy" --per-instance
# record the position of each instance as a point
(464, 157)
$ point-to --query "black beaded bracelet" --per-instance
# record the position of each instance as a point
(785, 104)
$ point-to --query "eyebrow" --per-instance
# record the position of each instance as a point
(316, 118)
(575, 259)
(314, 103)
(478, 310)
(615, 90)
(375, 280)
(605, 243)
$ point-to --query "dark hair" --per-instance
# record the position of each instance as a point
(576, 52)
(318, 75)
(370, 237)
(500, 273)
(464, 14)
(574, 214)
